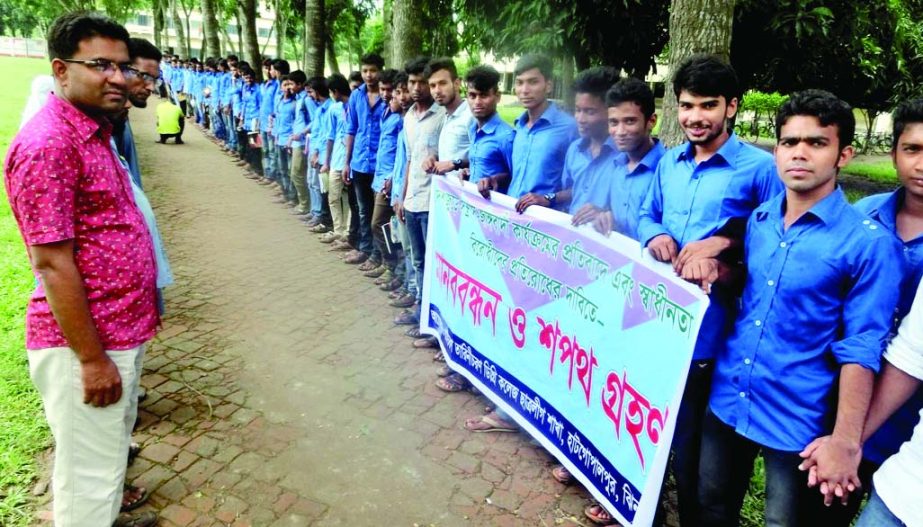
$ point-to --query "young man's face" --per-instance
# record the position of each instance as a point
(419, 88)
(95, 92)
(402, 96)
(297, 87)
(703, 118)
(443, 88)
(532, 88)
(353, 85)
(386, 92)
(808, 155)
(288, 87)
(267, 72)
(370, 73)
(249, 79)
(483, 103)
(628, 127)
(908, 158)
(591, 115)
(139, 89)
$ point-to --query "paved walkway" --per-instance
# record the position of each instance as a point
(280, 392)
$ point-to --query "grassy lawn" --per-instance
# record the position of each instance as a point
(23, 432)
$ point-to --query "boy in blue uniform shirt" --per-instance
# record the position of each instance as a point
(304, 108)
(283, 120)
(491, 151)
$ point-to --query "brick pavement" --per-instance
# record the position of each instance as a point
(280, 392)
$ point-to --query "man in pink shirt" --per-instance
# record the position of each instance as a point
(95, 306)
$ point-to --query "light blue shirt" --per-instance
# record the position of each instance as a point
(250, 105)
(818, 295)
(268, 92)
(538, 152)
(320, 124)
(628, 189)
(302, 118)
(336, 132)
(491, 150)
(284, 120)
(391, 125)
(587, 176)
(364, 123)
(400, 168)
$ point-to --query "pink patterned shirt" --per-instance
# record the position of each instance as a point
(64, 183)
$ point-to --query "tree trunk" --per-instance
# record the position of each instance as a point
(281, 27)
(386, 25)
(181, 41)
(332, 56)
(210, 26)
(158, 23)
(251, 46)
(566, 87)
(407, 31)
(228, 42)
(696, 26)
(315, 37)
(240, 32)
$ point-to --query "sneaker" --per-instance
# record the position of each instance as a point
(320, 228)
(404, 301)
(313, 222)
(328, 237)
(376, 272)
(300, 212)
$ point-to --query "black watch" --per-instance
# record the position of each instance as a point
(457, 163)
(552, 197)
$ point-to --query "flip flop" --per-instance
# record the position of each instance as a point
(562, 475)
(444, 371)
(138, 502)
(453, 383)
(477, 425)
(598, 515)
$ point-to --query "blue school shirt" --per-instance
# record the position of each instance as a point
(284, 120)
(227, 89)
(628, 189)
(818, 295)
(391, 125)
(691, 202)
(586, 176)
(491, 150)
(538, 152)
(400, 167)
(250, 105)
(363, 122)
(320, 124)
(302, 118)
(268, 92)
(336, 132)
(883, 208)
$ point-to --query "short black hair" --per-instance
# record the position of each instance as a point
(387, 76)
(442, 63)
(372, 59)
(68, 30)
(632, 90)
(142, 48)
(483, 78)
(298, 77)
(223, 63)
(907, 112)
(247, 70)
(319, 85)
(338, 83)
(535, 61)
(416, 66)
(267, 62)
(706, 76)
(243, 64)
(596, 81)
(400, 79)
(281, 65)
(234, 58)
(355, 76)
(827, 107)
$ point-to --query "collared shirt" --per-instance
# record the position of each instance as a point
(422, 136)
(302, 118)
(538, 152)
(898, 428)
(628, 189)
(400, 166)
(818, 295)
(491, 150)
(284, 120)
(320, 124)
(63, 182)
(364, 124)
(691, 201)
(237, 91)
(227, 89)
(336, 132)
(391, 125)
(899, 480)
(453, 138)
(587, 176)
(250, 100)
(268, 92)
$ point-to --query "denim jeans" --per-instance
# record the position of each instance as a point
(416, 232)
(231, 128)
(877, 514)
(317, 198)
(353, 231)
(365, 201)
(284, 157)
(724, 476)
(269, 156)
(410, 276)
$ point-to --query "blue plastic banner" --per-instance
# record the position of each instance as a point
(583, 339)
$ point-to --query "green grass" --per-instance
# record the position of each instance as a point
(879, 170)
(510, 113)
(23, 432)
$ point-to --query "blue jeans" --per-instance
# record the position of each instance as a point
(231, 129)
(269, 156)
(217, 121)
(284, 157)
(410, 276)
(726, 465)
(365, 203)
(877, 514)
(314, 190)
(416, 223)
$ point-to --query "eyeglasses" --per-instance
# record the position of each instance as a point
(146, 77)
(106, 67)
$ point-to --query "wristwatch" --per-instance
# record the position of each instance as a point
(552, 197)
(457, 163)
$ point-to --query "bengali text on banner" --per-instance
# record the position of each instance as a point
(583, 339)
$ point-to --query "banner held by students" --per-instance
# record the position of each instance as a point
(583, 339)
